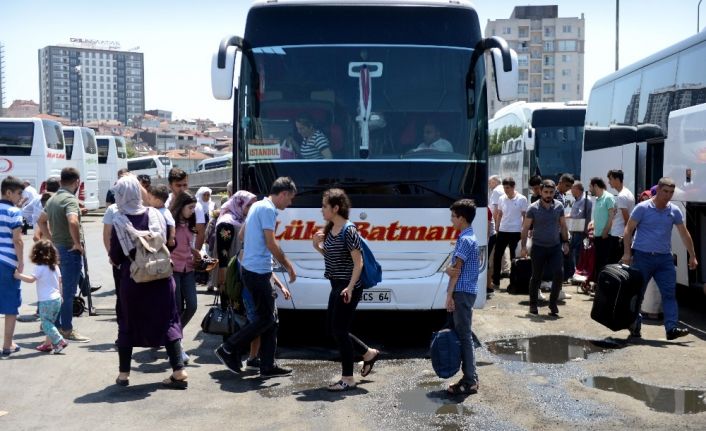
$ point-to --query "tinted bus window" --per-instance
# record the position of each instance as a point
(136, 165)
(626, 98)
(16, 138)
(89, 143)
(69, 142)
(165, 161)
(53, 135)
(657, 94)
(120, 144)
(691, 79)
(102, 145)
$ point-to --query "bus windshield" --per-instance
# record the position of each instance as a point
(361, 116)
(558, 141)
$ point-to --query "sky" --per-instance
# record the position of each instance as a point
(178, 38)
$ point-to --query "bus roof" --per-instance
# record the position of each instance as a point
(526, 107)
(677, 47)
(448, 3)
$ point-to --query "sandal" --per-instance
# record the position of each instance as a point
(122, 382)
(11, 350)
(462, 388)
(173, 383)
(341, 386)
(368, 365)
(44, 348)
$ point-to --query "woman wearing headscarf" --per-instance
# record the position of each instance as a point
(228, 225)
(203, 211)
(148, 311)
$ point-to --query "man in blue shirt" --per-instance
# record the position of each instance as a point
(651, 250)
(260, 246)
(462, 291)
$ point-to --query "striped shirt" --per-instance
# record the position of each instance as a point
(312, 146)
(466, 249)
(337, 254)
(10, 219)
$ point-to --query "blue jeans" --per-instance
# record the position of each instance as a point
(185, 295)
(462, 315)
(661, 268)
(575, 247)
(71, 265)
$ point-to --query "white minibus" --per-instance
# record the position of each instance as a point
(31, 149)
(154, 166)
(82, 154)
(215, 163)
(112, 155)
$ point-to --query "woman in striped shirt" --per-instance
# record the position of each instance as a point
(339, 243)
(314, 145)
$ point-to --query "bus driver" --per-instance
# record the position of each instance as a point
(433, 140)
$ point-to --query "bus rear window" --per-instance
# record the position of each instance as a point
(89, 143)
(69, 142)
(165, 161)
(16, 139)
(120, 145)
(103, 146)
(53, 135)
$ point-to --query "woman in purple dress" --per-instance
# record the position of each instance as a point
(148, 311)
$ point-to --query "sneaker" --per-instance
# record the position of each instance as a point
(252, 364)
(635, 334)
(553, 310)
(563, 295)
(533, 310)
(44, 347)
(231, 361)
(72, 335)
(276, 371)
(60, 346)
(676, 333)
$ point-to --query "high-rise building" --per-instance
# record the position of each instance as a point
(90, 82)
(550, 53)
(2, 78)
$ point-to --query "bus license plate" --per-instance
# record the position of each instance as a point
(376, 296)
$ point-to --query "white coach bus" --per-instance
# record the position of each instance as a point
(82, 154)
(536, 138)
(154, 166)
(371, 91)
(31, 149)
(648, 120)
(112, 155)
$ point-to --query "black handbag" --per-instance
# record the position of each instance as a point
(221, 321)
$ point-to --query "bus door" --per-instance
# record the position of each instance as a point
(649, 164)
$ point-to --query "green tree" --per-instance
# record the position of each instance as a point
(131, 152)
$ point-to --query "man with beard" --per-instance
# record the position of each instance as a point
(547, 218)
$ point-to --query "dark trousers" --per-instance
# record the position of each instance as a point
(173, 352)
(503, 240)
(605, 252)
(116, 280)
(266, 324)
(546, 257)
(339, 317)
(575, 247)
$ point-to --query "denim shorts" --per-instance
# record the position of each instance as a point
(10, 293)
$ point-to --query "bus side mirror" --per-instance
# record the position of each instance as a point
(223, 67)
(529, 138)
(505, 80)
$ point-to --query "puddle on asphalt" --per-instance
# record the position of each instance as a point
(678, 401)
(430, 402)
(549, 349)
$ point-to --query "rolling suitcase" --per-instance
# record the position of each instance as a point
(520, 274)
(617, 292)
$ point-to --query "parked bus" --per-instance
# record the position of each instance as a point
(31, 149)
(215, 163)
(629, 126)
(154, 166)
(112, 155)
(542, 138)
(82, 154)
(370, 76)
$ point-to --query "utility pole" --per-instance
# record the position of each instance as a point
(617, 33)
(698, 15)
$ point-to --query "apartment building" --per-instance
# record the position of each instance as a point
(550, 51)
(89, 82)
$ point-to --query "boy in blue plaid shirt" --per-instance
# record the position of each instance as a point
(462, 291)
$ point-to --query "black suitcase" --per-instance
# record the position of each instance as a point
(520, 274)
(617, 292)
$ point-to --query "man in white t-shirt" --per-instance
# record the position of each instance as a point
(512, 207)
(624, 203)
(434, 141)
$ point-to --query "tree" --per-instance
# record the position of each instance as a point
(131, 152)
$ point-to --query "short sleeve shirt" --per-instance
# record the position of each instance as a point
(58, 207)
(624, 200)
(466, 249)
(47, 282)
(601, 212)
(654, 226)
(495, 196)
(256, 256)
(546, 223)
(10, 219)
(312, 146)
(110, 214)
(512, 212)
(167, 216)
(337, 253)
